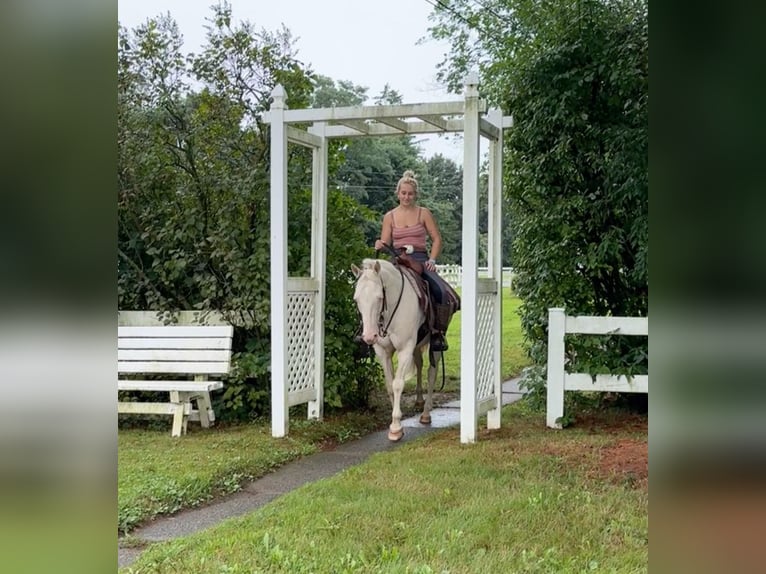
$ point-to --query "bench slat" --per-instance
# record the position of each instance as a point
(202, 386)
(189, 368)
(150, 408)
(194, 331)
(173, 355)
(223, 343)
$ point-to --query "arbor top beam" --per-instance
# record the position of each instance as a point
(397, 112)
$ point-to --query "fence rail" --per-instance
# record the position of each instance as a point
(453, 274)
(559, 324)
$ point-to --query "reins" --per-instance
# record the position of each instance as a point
(383, 331)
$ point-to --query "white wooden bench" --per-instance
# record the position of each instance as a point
(194, 351)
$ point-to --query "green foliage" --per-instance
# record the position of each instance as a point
(347, 382)
(575, 78)
(327, 94)
(193, 196)
(441, 189)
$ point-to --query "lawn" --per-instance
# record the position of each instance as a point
(524, 498)
(513, 358)
(161, 475)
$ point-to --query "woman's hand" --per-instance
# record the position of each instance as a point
(379, 245)
(430, 265)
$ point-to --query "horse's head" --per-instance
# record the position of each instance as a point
(369, 298)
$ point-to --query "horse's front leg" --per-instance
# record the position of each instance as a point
(425, 417)
(385, 358)
(417, 356)
(395, 431)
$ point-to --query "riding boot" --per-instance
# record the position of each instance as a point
(438, 342)
(442, 318)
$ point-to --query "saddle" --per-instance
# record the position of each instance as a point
(413, 270)
(406, 261)
(420, 286)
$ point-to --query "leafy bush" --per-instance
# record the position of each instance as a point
(579, 187)
(193, 198)
(575, 78)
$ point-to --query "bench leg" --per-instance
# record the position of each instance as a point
(181, 414)
(205, 408)
(204, 405)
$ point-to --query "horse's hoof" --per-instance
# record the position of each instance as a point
(394, 436)
(425, 419)
(419, 405)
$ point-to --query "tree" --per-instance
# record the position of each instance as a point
(442, 193)
(328, 93)
(575, 78)
(193, 195)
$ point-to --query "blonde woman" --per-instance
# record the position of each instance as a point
(411, 225)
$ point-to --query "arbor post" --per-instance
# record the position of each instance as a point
(279, 404)
(469, 307)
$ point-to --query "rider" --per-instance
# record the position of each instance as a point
(409, 225)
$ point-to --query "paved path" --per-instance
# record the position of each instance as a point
(293, 475)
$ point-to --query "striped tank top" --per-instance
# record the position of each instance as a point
(414, 235)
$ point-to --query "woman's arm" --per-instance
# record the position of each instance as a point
(433, 232)
(385, 232)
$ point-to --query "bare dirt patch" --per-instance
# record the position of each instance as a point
(623, 458)
(624, 461)
(613, 422)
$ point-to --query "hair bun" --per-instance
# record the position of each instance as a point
(409, 174)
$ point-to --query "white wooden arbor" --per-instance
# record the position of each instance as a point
(297, 303)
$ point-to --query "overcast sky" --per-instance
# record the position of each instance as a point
(368, 42)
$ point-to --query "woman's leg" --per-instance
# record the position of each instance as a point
(442, 311)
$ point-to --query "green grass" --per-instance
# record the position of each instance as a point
(159, 474)
(522, 499)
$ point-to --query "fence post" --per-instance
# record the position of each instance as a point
(555, 384)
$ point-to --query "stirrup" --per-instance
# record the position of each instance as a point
(438, 343)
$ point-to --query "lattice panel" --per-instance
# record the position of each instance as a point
(485, 363)
(300, 344)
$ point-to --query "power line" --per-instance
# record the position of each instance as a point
(498, 16)
(440, 4)
(448, 9)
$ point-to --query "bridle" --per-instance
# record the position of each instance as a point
(383, 330)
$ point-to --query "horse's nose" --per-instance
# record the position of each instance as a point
(370, 338)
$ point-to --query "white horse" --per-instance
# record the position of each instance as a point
(391, 317)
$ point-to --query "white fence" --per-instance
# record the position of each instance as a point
(559, 324)
(453, 274)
